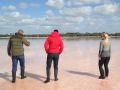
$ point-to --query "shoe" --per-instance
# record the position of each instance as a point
(23, 77)
(106, 75)
(23, 73)
(13, 81)
(46, 81)
(13, 77)
(56, 79)
(101, 77)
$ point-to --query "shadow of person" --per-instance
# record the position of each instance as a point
(82, 73)
(5, 76)
(35, 76)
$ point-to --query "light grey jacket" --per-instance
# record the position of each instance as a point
(105, 48)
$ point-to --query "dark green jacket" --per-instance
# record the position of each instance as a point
(15, 45)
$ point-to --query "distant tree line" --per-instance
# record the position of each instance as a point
(89, 34)
(66, 34)
(80, 34)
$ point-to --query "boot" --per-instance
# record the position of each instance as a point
(23, 74)
(48, 76)
(55, 74)
(56, 79)
(13, 77)
(101, 77)
(47, 80)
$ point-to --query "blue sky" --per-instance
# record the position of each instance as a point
(42, 16)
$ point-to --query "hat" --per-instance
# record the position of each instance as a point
(20, 31)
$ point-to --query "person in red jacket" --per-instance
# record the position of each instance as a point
(53, 47)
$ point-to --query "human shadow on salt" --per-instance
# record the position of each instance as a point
(82, 73)
(36, 76)
(5, 76)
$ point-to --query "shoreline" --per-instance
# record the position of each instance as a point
(69, 37)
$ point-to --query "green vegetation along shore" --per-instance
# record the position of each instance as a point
(76, 35)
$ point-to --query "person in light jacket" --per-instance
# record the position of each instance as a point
(104, 55)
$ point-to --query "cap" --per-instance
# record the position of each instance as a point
(20, 31)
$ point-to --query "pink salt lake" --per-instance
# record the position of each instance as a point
(78, 67)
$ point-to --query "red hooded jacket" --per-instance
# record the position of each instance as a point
(54, 43)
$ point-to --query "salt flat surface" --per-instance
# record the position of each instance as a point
(78, 67)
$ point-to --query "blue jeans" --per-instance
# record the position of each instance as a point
(15, 60)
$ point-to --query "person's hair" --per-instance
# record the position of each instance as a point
(105, 35)
(56, 30)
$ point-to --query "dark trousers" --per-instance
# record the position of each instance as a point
(50, 58)
(15, 60)
(104, 72)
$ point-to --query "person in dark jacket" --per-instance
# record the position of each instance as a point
(104, 55)
(16, 52)
(53, 47)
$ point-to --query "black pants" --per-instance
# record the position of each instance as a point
(104, 61)
(50, 58)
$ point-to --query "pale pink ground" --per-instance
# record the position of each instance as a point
(78, 67)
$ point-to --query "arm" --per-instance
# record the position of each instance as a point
(100, 49)
(27, 43)
(61, 47)
(46, 45)
(110, 49)
(9, 47)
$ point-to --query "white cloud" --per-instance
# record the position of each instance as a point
(8, 8)
(54, 21)
(84, 16)
(49, 13)
(86, 10)
(27, 5)
(12, 19)
(16, 20)
(55, 3)
(68, 3)
(27, 21)
(15, 14)
(116, 18)
(82, 2)
(106, 9)
(76, 20)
